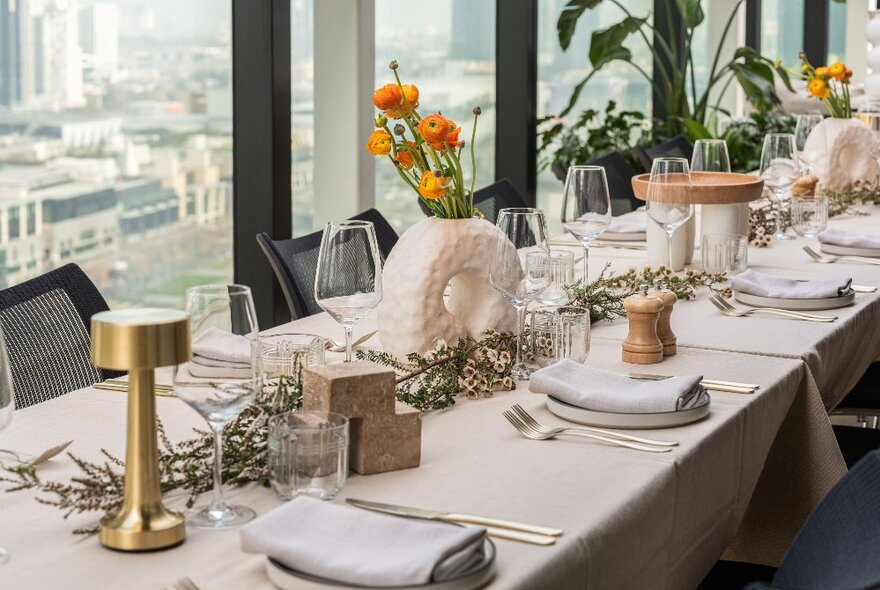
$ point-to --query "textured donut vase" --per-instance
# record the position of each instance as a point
(427, 257)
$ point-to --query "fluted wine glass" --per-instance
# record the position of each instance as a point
(668, 200)
(710, 155)
(7, 407)
(779, 169)
(806, 122)
(223, 378)
(521, 269)
(348, 282)
(586, 206)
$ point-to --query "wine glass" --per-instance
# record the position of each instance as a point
(710, 155)
(668, 200)
(7, 407)
(223, 321)
(348, 282)
(805, 124)
(522, 267)
(586, 206)
(779, 169)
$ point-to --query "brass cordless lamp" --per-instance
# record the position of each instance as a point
(139, 341)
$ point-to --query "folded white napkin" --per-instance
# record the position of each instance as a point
(359, 547)
(629, 223)
(838, 237)
(209, 362)
(220, 345)
(212, 372)
(601, 391)
(764, 285)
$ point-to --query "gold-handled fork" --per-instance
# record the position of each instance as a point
(531, 421)
(727, 309)
(829, 259)
(534, 434)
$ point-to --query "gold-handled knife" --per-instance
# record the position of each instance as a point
(713, 384)
(502, 529)
(159, 391)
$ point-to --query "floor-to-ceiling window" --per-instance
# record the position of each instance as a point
(115, 143)
(837, 31)
(302, 114)
(447, 49)
(782, 30)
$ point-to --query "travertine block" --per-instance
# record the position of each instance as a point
(384, 435)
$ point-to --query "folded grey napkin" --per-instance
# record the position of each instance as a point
(838, 237)
(359, 547)
(764, 285)
(629, 223)
(601, 391)
(220, 345)
(202, 371)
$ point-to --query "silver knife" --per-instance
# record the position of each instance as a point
(497, 527)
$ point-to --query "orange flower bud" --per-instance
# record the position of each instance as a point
(818, 88)
(432, 186)
(405, 157)
(410, 95)
(822, 72)
(848, 74)
(379, 143)
(387, 97)
(434, 128)
(837, 70)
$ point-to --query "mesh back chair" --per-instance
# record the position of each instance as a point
(495, 197)
(619, 174)
(47, 324)
(839, 546)
(295, 262)
(677, 147)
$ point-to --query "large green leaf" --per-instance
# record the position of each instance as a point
(567, 22)
(696, 130)
(756, 80)
(606, 45)
(691, 12)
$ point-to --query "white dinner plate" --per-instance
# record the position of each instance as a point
(797, 304)
(608, 236)
(617, 420)
(476, 577)
(848, 251)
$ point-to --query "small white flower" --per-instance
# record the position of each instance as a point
(469, 370)
(504, 357)
(498, 366)
(508, 384)
(491, 354)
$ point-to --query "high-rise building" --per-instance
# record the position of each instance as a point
(99, 37)
(10, 57)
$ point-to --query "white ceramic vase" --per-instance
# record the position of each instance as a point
(841, 152)
(731, 219)
(682, 245)
(430, 254)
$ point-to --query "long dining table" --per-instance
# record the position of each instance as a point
(740, 483)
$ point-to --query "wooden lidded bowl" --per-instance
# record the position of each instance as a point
(707, 188)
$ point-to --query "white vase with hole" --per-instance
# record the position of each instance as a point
(842, 152)
(430, 255)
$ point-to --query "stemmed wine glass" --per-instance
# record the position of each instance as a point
(522, 267)
(7, 407)
(586, 206)
(710, 155)
(805, 124)
(779, 169)
(348, 283)
(668, 200)
(226, 314)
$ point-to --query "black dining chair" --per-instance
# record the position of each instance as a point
(838, 547)
(295, 262)
(677, 147)
(46, 323)
(491, 199)
(619, 173)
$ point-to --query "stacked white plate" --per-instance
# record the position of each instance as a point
(617, 420)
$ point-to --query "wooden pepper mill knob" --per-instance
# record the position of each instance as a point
(664, 325)
(642, 345)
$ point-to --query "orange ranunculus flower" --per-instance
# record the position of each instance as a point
(822, 72)
(435, 128)
(451, 138)
(387, 97)
(818, 88)
(431, 186)
(379, 143)
(405, 157)
(837, 70)
(410, 95)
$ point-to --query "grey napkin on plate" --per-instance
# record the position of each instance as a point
(355, 546)
(839, 237)
(764, 285)
(218, 354)
(629, 223)
(601, 391)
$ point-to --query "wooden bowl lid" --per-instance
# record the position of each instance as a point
(707, 188)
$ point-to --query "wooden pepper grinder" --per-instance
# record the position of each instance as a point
(664, 325)
(642, 345)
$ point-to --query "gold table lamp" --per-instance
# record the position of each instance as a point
(139, 341)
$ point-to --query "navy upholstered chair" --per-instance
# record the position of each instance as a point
(619, 173)
(677, 147)
(46, 323)
(491, 199)
(295, 262)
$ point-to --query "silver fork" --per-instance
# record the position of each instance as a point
(531, 421)
(734, 312)
(730, 306)
(828, 259)
(529, 432)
